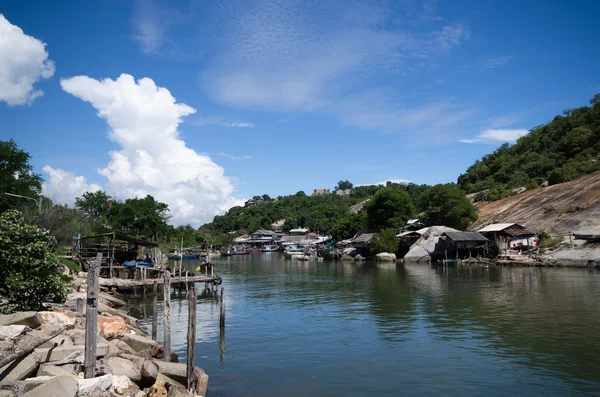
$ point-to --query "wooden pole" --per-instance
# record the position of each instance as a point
(167, 315)
(222, 317)
(91, 318)
(191, 339)
(154, 310)
(181, 259)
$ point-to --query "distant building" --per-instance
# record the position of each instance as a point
(510, 235)
(318, 192)
(464, 244)
(343, 192)
(253, 203)
(299, 232)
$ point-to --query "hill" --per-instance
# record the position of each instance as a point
(565, 149)
(559, 209)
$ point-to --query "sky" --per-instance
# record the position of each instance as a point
(204, 104)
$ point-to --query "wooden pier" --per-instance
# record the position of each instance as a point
(121, 283)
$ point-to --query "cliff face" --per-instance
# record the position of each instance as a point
(559, 209)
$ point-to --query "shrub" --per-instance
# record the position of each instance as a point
(384, 241)
(28, 275)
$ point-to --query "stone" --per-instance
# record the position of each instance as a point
(359, 258)
(44, 355)
(149, 370)
(119, 366)
(22, 318)
(62, 269)
(56, 318)
(173, 387)
(123, 346)
(116, 302)
(12, 332)
(178, 372)
(60, 386)
(19, 369)
(77, 335)
(32, 383)
(63, 340)
(519, 190)
(111, 327)
(140, 343)
(123, 386)
(386, 257)
(94, 386)
(53, 370)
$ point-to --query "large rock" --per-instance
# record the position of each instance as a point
(429, 247)
(123, 386)
(62, 340)
(12, 332)
(48, 354)
(32, 383)
(386, 257)
(22, 318)
(111, 327)
(119, 366)
(95, 386)
(77, 335)
(56, 318)
(52, 370)
(359, 258)
(60, 386)
(178, 372)
(19, 369)
(141, 343)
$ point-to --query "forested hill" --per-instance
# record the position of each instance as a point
(564, 149)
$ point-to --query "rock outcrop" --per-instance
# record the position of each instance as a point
(429, 247)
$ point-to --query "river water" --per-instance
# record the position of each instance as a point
(346, 329)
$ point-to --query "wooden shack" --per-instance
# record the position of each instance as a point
(510, 236)
(460, 245)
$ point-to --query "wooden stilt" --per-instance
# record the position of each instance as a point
(167, 316)
(222, 317)
(91, 319)
(191, 339)
(154, 310)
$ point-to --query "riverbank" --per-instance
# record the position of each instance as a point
(42, 353)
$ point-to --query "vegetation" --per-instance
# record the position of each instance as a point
(384, 241)
(16, 176)
(28, 275)
(564, 149)
(447, 205)
(390, 207)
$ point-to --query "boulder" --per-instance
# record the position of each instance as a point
(122, 346)
(386, 257)
(111, 327)
(429, 247)
(63, 340)
(19, 369)
(116, 302)
(123, 386)
(119, 366)
(32, 383)
(359, 258)
(53, 370)
(141, 343)
(346, 257)
(77, 335)
(48, 354)
(60, 386)
(62, 269)
(22, 318)
(178, 372)
(56, 318)
(12, 332)
(94, 386)
(149, 370)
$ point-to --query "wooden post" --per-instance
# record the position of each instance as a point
(91, 318)
(181, 259)
(167, 315)
(191, 339)
(80, 305)
(222, 317)
(154, 310)
(212, 270)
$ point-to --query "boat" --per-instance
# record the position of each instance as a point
(292, 251)
(302, 257)
(185, 256)
(269, 248)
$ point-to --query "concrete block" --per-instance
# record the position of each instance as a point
(44, 355)
(139, 343)
(22, 318)
(12, 332)
(32, 383)
(119, 366)
(19, 369)
(53, 370)
(94, 386)
(60, 386)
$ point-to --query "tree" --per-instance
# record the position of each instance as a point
(16, 176)
(384, 241)
(390, 207)
(343, 185)
(449, 206)
(28, 275)
(349, 225)
(62, 222)
(145, 217)
(94, 205)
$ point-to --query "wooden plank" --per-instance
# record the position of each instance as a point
(191, 339)
(167, 315)
(91, 318)
(154, 310)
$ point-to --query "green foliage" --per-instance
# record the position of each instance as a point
(28, 275)
(349, 225)
(95, 205)
(565, 149)
(64, 223)
(343, 185)
(447, 205)
(547, 241)
(384, 241)
(143, 218)
(390, 207)
(17, 176)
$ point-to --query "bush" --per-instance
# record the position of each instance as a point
(547, 241)
(28, 275)
(384, 241)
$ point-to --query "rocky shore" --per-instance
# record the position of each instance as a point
(42, 354)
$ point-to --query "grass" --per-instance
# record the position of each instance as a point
(71, 264)
(570, 209)
(549, 242)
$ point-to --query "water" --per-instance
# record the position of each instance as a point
(345, 329)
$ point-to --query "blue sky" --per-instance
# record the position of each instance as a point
(205, 103)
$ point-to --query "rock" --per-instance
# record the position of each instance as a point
(123, 386)
(112, 349)
(545, 184)
(32, 383)
(119, 366)
(429, 247)
(149, 370)
(12, 332)
(359, 258)
(111, 327)
(519, 190)
(44, 355)
(386, 257)
(62, 269)
(22, 318)
(116, 302)
(77, 335)
(123, 346)
(346, 257)
(60, 386)
(174, 388)
(19, 369)
(53, 370)
(140, 343)
(56, 318)
(63, 340)
(178, 372)
(94, 386)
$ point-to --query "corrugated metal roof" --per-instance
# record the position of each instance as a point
(496, 227)
(363, 238)
(298, 230)
(409, 232)
(466, 236)
(287, 239)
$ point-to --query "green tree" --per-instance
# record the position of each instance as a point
(390, 207)
(16, 176)
(28, 275)
(343, 185)
(349, 225)
(143, 217)
(449, 206)
(94, 205)
(62, 222)
(384, 241)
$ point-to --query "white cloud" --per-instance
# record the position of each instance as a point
(383, 183)
(143, 119)
(496, 62)
(218, 121)
(63, 186)
(499, 135)
(235, 157)
(23, 62)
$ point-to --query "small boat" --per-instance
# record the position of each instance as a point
(185, 256)
(138, 264)
(292, 251)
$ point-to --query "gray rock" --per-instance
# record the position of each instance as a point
(44, 355)
(60, 386)
(119, 366)
(19, 369)
(140, 343)
(53, 370)
(178, 372)
(123, 386)
(359, 258)
(22, 318)
(386, 257)
(95, 386)
(77, 335)
(12, 332)
(32, 383)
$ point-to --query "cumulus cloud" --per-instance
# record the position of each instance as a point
(63, 186)
(495, 136)
(23, 62)
(143, 120)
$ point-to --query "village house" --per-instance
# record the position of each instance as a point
(319, 192)
(460, 245)
(253, 203)
(510, 236)
(343, 192)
